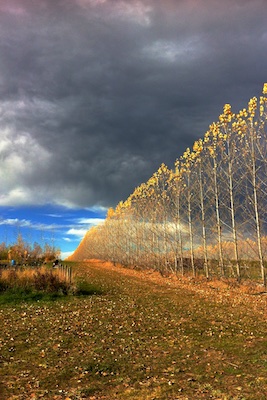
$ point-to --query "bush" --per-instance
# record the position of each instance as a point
(43, 284)
(29, 280)
(50, 283)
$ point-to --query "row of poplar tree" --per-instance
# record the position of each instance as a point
(206, 214)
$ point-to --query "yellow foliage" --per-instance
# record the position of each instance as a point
(110, 213)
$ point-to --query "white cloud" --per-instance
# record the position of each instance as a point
(77, 232)
(66, 254)
(90, 221)
(19, 195)
(67, 239)
(24, 223)
(80, 228)
(16, 196)
(20, 156)
(99, 209)
(14, 221)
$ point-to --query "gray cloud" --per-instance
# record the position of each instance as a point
(96, 94)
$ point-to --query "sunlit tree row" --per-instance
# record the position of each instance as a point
(207, 213)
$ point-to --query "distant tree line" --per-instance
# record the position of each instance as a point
(208, 213)
(24, 253)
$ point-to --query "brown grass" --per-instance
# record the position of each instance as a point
(30, 279)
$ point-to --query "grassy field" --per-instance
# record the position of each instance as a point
(136, 336)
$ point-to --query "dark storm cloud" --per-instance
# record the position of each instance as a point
(96, 94)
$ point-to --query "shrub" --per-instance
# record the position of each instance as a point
(29, 284)
(50, 282)
(26, 280)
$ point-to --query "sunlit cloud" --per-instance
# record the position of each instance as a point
(23, 196)
(15, 197)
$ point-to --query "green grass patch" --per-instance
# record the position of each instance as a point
(18, 296)
(84, 288)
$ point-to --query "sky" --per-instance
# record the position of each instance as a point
(96, 94)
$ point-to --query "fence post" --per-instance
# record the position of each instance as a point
(65, 273)
(70, 274)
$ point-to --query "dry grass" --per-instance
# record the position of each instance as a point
(29, 282)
